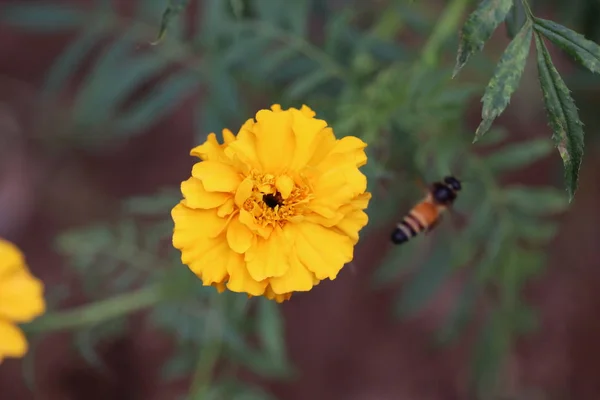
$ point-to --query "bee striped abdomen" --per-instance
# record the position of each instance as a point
(417, 220)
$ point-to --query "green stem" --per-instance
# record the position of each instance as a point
(528, 10)
(446, 26)
(210, 351)
(97, 312)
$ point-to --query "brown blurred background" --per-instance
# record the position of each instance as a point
(341, 336)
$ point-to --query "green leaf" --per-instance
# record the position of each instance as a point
(42, 17)
(518, 155)
(563, 116)
(536, 231)
(515, 18)
(70, 59)
(270, 329)
(160, 202)
(308, 83)
(162, 100)
(535, 201)
(174, 8)
(584, 51)
(505, 80)
(479, 28)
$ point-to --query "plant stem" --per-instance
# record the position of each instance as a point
(97, 312)
(446, 26)
(209, 351)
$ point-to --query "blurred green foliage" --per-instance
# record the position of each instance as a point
(358, 75)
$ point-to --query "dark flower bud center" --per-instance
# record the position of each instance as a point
(273, 200)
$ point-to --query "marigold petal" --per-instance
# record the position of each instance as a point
(240, 280)
(228, 136)
(322, 250)
(244, 147)
(226, 208)
(284, 185)
(297, 278)
(247, 219)
(352, 223)
(194, 226)
(239, 236)
(211, 265)
(280, 298)
(307, 136)
(354, 147)
(197, 197)
(21, 296)
(209, 150)
(361, 201)
(220, 286)
(275, 140)
(217, 176)
(306, 110)
(243, 191)
(336, 187)
(324, 143)
(268, 258)
(332, 218)
(12, 340)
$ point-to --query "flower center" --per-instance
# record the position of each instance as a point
(276, 200)
(273, 200)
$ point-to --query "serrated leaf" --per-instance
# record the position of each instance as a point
(174, 8)
(563, 117)
(494, 136)
(505, 80)
(42, 17)
(479, 28)
(515, 19)
(535, 201)
(518, 155)
(584, 51)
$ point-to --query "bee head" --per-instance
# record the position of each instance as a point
(453, 183)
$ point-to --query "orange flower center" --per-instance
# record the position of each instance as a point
(275, 200)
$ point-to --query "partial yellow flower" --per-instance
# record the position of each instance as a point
(21, 300)
(276, 208)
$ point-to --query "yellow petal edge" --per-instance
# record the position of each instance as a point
(21, 300)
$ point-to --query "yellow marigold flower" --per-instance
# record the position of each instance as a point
(275, 209)
(21, 300)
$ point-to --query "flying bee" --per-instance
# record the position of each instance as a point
(427, 214)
